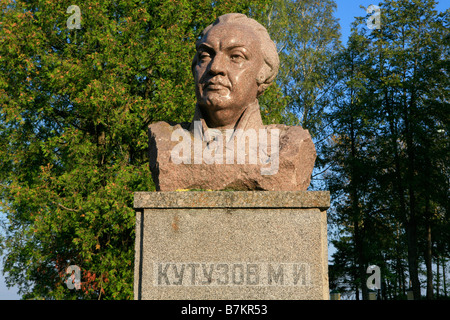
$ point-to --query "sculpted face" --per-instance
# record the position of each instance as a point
(228, 62)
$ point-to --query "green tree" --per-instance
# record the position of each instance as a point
(307, 37)
(413, 86)
(351, 180)
(74, 109)
(402, 107)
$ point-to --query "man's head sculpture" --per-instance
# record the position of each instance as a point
(234, 64)
(226, 146)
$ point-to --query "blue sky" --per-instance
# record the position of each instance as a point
(346, 11)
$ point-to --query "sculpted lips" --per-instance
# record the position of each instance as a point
(216, 85)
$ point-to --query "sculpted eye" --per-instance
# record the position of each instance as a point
(237, 56)
(203, 56)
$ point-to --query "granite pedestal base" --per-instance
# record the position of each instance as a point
(231, 245)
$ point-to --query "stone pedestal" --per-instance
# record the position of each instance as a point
(231, 245)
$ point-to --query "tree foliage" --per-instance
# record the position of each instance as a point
(390, 149)
(307, 36)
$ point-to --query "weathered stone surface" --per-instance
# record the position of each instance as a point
(296, 159)
(231, 245)
(232, 199)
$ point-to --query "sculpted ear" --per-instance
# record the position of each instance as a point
(261, 79)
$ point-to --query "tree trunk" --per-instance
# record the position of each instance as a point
(411, 231)
(410, 216)
(411, 220)
(398, 184)
(443, 277)
(429, 246)
(428, 263)
(360, 265)
(437, 277)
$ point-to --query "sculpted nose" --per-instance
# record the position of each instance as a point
(217, 65)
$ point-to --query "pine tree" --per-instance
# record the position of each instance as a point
(402, 102)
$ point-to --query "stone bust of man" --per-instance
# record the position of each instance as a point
(227, 146)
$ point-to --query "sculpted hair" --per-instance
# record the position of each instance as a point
(269, 70)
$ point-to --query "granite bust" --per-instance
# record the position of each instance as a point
(227, 146)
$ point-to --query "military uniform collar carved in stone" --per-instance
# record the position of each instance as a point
(250, 119)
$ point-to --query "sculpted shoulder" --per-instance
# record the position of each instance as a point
(291, 136)
(163, 128)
